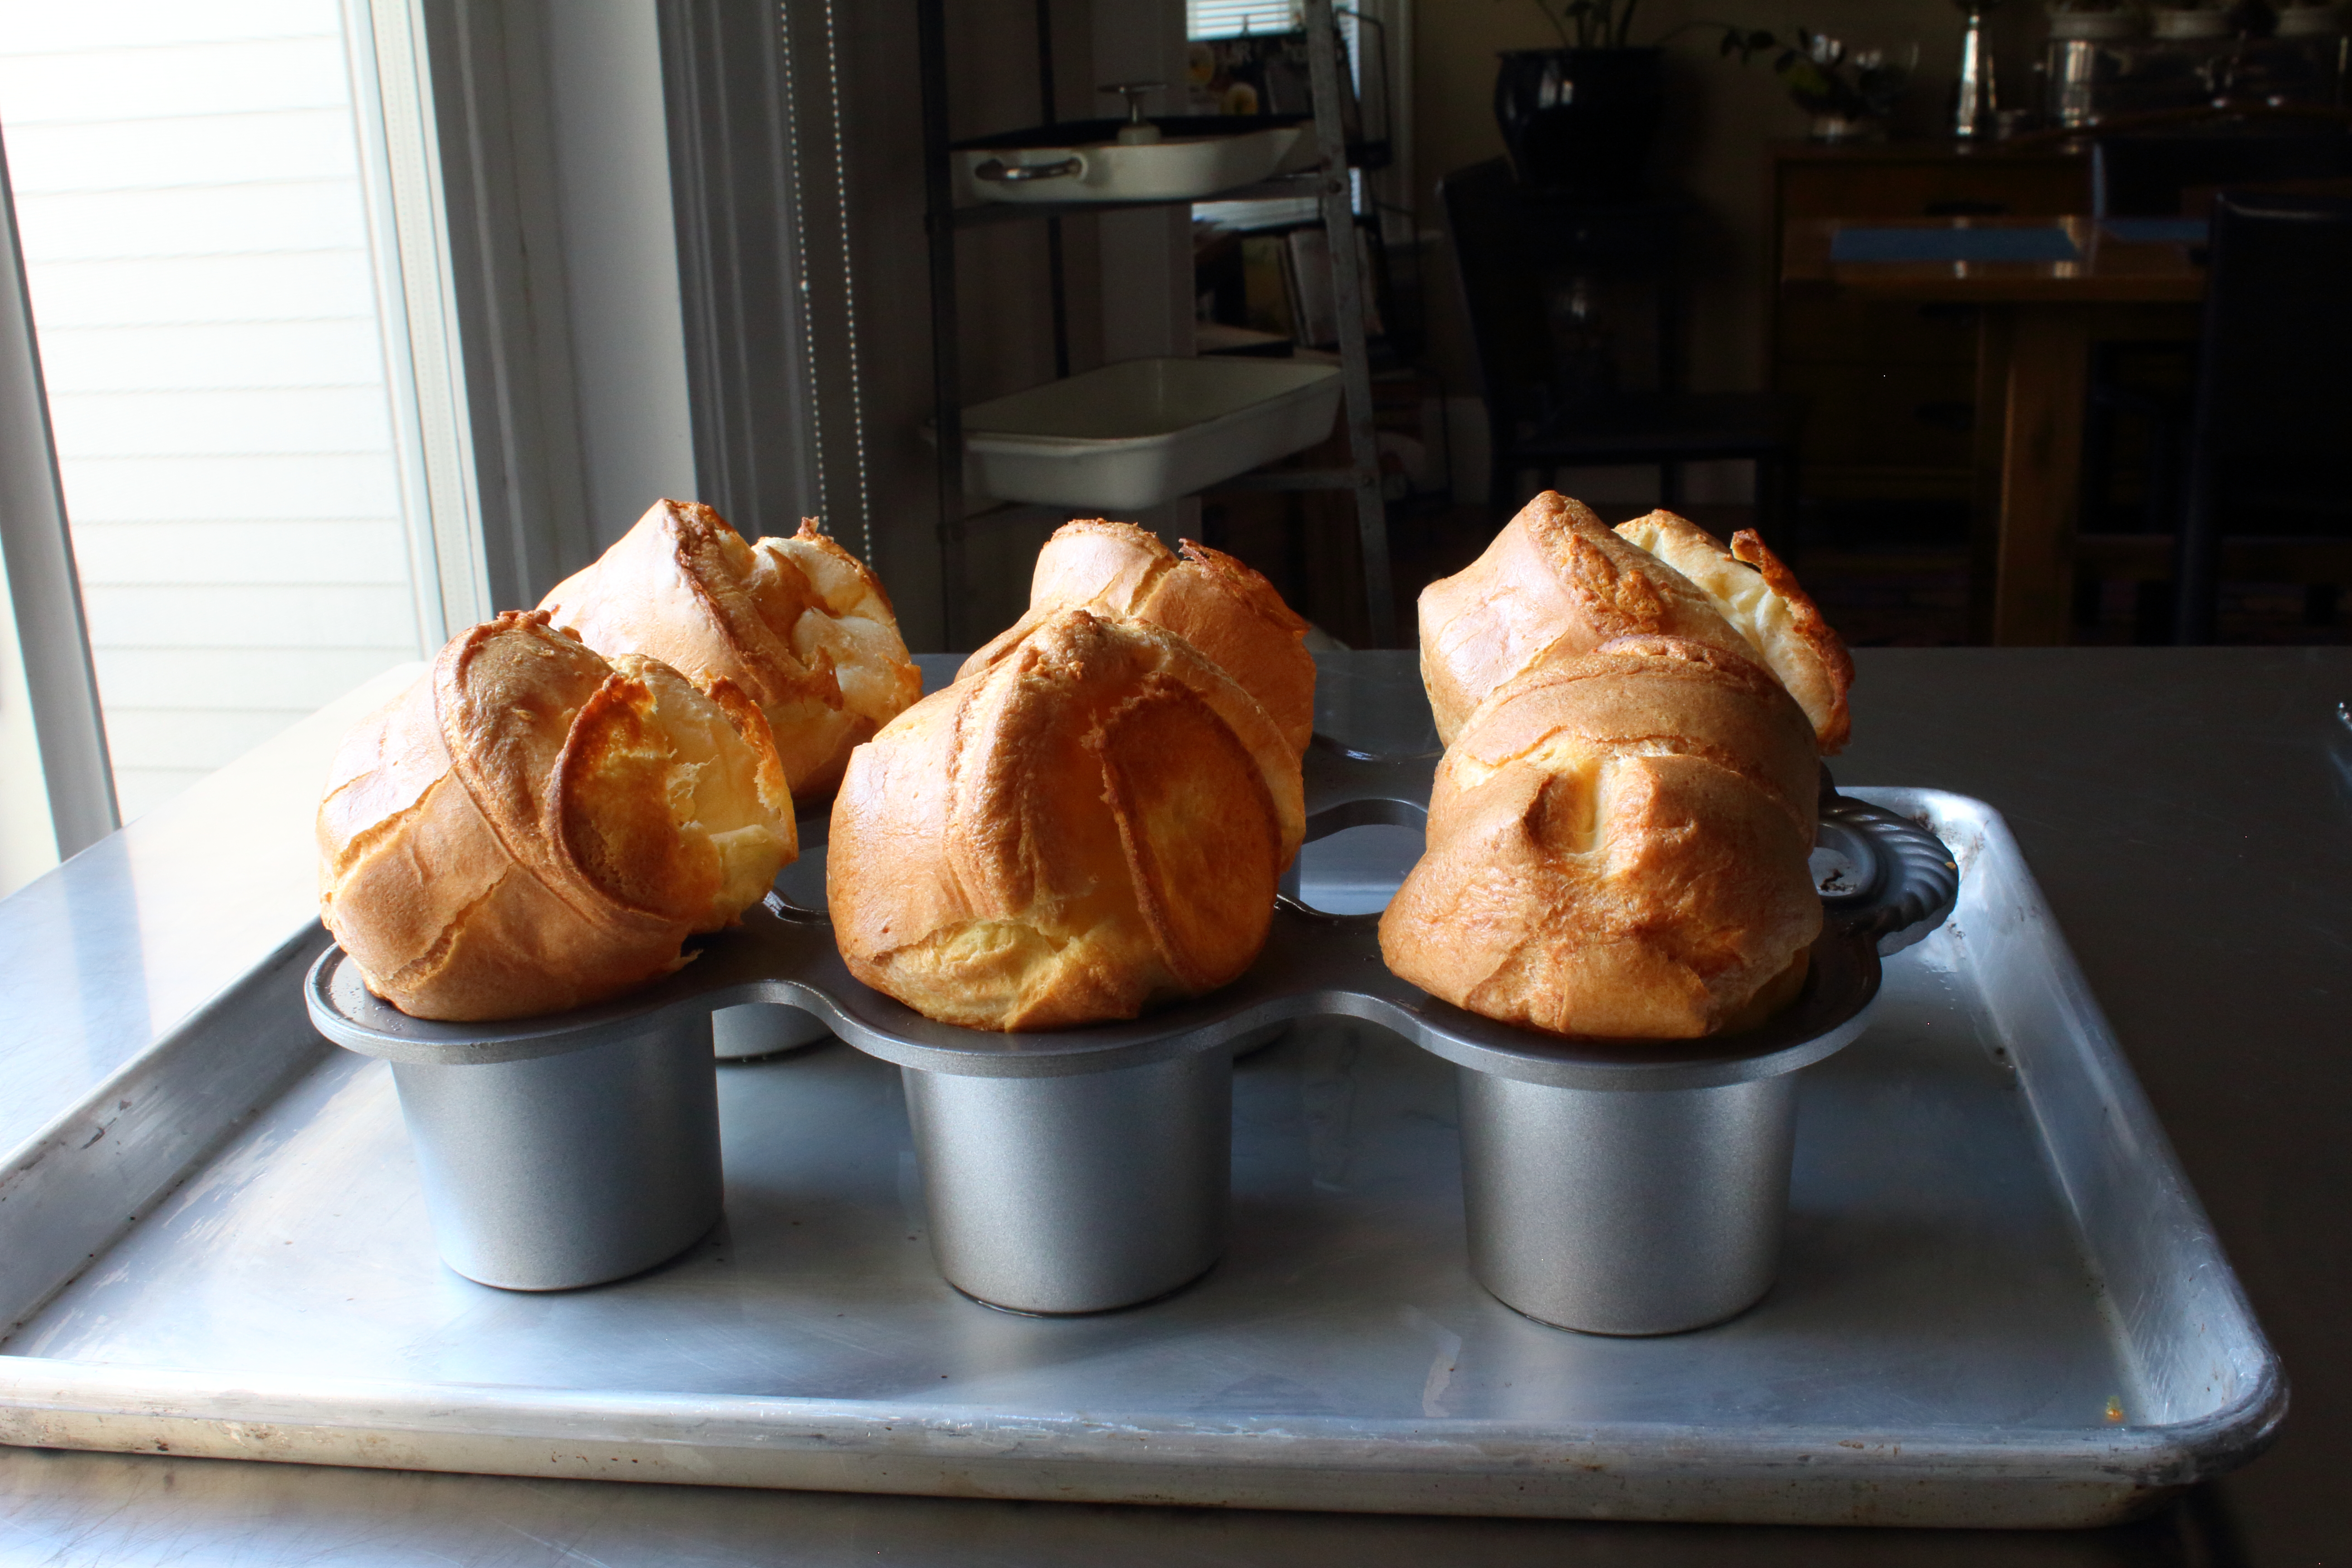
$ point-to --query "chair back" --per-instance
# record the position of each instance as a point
(2146, 176)
(2274, 383)
(2272, 420)
(1501, 288)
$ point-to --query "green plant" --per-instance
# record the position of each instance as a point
(1589, 23)
(1821, 76)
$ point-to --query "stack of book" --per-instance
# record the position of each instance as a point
(1287, 286)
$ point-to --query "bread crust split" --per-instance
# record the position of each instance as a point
(799, 625)
(1760, 597)
(1091, 825)
(1554, 584)
(1617, 848)
(530, 829)
(1220, 606)
(1619, 830)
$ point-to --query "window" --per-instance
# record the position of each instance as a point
(1231, 18)
(362, 318)
(1208, 20)
(190, 202)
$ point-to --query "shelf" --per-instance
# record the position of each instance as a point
(981, 214)
(944, 218)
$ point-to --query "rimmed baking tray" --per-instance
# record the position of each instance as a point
(1998, 1303)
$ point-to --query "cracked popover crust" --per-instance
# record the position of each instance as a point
(1092, 825)
(798, 624)
(531, 828)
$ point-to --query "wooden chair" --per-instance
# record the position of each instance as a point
(1537, 420)
(2161, 172)
(2148, 175)
(2273, 406)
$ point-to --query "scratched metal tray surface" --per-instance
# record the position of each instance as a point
(1998, 1303)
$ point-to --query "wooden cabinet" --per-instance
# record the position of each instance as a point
(1890, 388)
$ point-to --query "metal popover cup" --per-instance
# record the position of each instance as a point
(1067, 1171)
(1077, 1193)
(1615, 1212)
(1090, 1169)
(546, 1169)
(751, 1030)
(1641, 1187)
(1076, 1170)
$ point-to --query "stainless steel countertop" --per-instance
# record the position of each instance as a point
(2209, 917)
(103, 954)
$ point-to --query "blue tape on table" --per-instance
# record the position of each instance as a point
(1952, 244)
(2157, 230)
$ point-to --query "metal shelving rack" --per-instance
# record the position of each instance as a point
(943, 219)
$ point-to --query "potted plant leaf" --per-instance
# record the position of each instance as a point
(1849, 93)
(1580, 118)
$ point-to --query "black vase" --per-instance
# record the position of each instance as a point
(1580, 121)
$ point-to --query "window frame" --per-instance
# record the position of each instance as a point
(492, 273)
(43, 588)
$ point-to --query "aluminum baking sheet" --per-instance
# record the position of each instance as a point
(1999, 1304)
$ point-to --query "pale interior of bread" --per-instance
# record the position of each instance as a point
(839, 614)
(663, 806)
(1740, 593)
(742, 584)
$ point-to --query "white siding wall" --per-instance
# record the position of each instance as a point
(188, 192)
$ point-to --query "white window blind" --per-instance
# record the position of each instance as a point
(1231, 18)
(197, 252)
